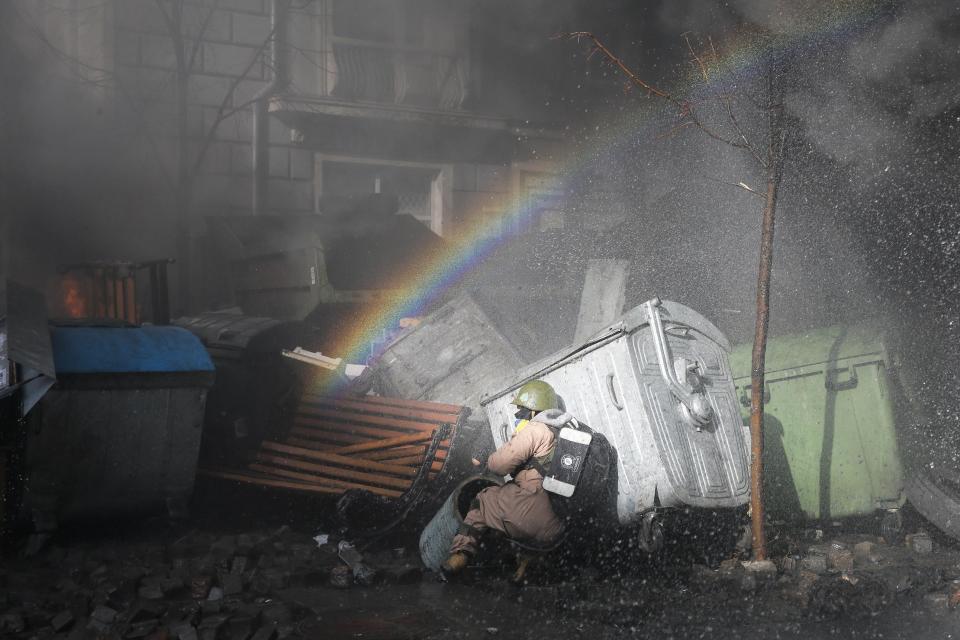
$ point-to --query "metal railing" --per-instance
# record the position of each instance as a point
(393, 74)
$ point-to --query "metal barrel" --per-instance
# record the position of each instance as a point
(437, 536)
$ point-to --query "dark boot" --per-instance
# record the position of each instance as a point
(455, 563)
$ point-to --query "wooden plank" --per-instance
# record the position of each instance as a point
(334, 472)
(268, 482)
(395, 451)
(365, 419)
(386, 443)
(406, 460)
(310, 444)
(403, 402)
(318, 430)
(439, 457)
(350, 407)
(326, 482)
(355, 429)
(331, 436)
(333, 458)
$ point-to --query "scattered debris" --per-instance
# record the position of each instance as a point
(362, 573)
(315, 358)
(920, 543)
(765, 568)
(865, 553)
(814, 563)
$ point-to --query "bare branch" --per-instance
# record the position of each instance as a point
(684, 107)
(598, 47)
(696, 58)
(224, 110)
(674, 130)
(736, 125)
(174, 21)
(739, 185)
(72, 64)
(198, 38)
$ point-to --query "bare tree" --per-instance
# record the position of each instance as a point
(701, 113)
(186, 37)
(186, 48)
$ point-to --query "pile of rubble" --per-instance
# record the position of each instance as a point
(848, 578)
(201, 586)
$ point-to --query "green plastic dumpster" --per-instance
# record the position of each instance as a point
(830, 447)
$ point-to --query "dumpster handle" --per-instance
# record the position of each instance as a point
(698, 407)
(613, 393)
(851, 382)
(745, 398)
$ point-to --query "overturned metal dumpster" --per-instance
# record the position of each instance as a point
(658, 386)
(451, 356)
(120, 430)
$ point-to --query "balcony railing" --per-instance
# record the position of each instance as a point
(365, 71)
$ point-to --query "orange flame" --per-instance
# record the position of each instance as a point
(74, 302)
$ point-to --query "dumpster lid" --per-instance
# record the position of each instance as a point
(672, 313)
(817, 346)
(80, 350)
(225, 329)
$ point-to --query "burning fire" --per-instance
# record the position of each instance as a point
(74, 301)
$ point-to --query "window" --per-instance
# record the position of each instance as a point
(417, 187)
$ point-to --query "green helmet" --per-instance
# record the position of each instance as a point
(536, 395)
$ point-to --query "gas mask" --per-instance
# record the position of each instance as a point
(521, 417)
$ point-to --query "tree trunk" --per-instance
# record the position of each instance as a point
(184, 179)
(757, 366)
(775, 157)
(182, 198)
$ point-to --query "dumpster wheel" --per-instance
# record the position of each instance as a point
(891, 527)
(651, 533)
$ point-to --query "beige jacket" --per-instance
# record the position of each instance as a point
(534, 440)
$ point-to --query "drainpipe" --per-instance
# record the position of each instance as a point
(261, 102)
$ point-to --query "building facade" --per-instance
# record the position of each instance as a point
(356, 97)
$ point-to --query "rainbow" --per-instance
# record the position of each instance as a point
(429, 276)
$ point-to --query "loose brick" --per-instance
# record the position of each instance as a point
(62, 620)
(920, 543)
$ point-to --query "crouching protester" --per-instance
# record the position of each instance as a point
(521, 507)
